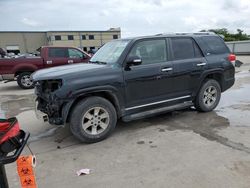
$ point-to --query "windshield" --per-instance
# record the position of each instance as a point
(110, 52)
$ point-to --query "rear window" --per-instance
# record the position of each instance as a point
(185, 48)
(58, 52)
(215, 45)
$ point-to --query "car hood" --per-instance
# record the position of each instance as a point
(66, 70)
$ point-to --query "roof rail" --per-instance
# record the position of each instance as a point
(183, 33)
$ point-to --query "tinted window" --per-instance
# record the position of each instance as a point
(197, 51)
(70, 37)
(110, 52)
(91, 37)
(150, 51)
(215, 45)
(73, 53)
(185, 48)
(58, 37)
(58, 52)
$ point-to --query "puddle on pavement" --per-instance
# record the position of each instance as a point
(12, 105)
(59, 133)
(207, 125)
(242, 74)
(44, 134)
(235, 103)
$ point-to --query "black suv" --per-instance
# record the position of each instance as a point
(133, 78)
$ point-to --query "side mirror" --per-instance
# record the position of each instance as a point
(134, 60)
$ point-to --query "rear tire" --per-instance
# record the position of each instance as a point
(93, 119)
(25, 81)
(209, 96)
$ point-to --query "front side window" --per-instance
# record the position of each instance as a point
(150, 51)
(110, 52)
(58, 52)
(185, 48)
(73, 53)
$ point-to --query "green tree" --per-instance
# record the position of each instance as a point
(229, 36)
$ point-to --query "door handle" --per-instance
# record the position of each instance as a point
(49, 62)
(70, 61)
(166, 69)
(201, 64)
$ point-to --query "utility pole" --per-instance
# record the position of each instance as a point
(80, 40)
(25, 42)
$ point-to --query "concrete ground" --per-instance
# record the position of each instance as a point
(178, 149)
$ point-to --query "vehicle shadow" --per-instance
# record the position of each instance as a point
(206, 125)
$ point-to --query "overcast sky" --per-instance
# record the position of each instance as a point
(135, 17)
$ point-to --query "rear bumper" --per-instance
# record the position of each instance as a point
(226, 84)
(7, 77)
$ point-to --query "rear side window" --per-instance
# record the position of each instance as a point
(73, 53)
(58, 52)
(185, 48)
(215, 45)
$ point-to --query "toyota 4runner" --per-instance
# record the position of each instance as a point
(134, 78)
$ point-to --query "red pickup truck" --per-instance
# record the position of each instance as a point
(21, 68)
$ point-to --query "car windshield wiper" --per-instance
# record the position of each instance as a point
(98, 62)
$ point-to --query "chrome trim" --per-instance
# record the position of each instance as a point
(159, 102)
(70, 61)
(166, 69)
(49, 62)
(201, 64)
(137, 60)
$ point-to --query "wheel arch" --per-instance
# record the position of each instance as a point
(214, 74)
(25, 68)
(106, 94)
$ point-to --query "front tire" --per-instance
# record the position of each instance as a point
(93, 119)
(209, 96)
(25, 81)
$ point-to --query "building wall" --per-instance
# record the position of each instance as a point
(100, 38)
(26, 41)
(239, 47)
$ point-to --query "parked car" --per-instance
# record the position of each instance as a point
(135, 78)
(21, 68)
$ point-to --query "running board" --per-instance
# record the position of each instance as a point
(156, 111)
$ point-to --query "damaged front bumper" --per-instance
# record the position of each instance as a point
(49, 105)
(50, 111)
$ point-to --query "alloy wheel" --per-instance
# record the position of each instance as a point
(210, 96)
(95, 121)
(26, 81)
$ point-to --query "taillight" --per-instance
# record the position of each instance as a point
(232, 58)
